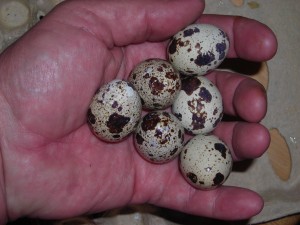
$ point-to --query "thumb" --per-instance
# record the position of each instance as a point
(120, 23)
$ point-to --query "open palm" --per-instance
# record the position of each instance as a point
(53, 167)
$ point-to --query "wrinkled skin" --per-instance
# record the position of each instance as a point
(51, 164)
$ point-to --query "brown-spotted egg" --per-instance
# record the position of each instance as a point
(198, 49)
(159, 137)
(115, 111)
(205, 162)
(198, 105)
(157, 82)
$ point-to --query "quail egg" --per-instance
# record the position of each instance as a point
(198, 49)
(115, 111)
(157, 82)
(198, 105)
(205, 162)
(159, 137)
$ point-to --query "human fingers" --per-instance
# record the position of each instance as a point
(246, 140)
(225, 203)
(166, 187)
(245, 100)
(242, 96)
(249, 39)
(141, 21)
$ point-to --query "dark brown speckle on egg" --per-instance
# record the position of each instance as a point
(173, 46)
(174, 151)
(117, 122)
(190, 84)
(91, 116)
(217, 121)
(115, 104)
(223, 34)
(178, 115)
(157, 106)
(198, 121)
(150, 121)
(179, 134)
(219, 178)
(139, 139)
(221, 49)
(204, 59)
(166, 114)
(221, 148)
(205, 94)
(160, 69)
(171, 75)
(146, 76)
(158, 133)
(156, 86)
(215, 111)
(192, 177)
(116, 136)
(181, 43)
(190, 32)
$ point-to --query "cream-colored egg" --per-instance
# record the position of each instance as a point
(115, 111)
(198, 105)
(205, 162)
(157, 82)
(198, 49)
(159, 137)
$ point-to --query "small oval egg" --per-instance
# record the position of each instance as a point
(157, 82)
(198, 49)
(198, 105)
(115, 111)
(205, 162)
(159, 137)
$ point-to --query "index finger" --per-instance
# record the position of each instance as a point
(249, 39)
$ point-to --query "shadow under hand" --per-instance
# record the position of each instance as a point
(242, 166)
(241, 66)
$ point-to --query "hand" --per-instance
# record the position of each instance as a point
(52, 165)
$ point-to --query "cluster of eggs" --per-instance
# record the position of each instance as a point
(196, 107)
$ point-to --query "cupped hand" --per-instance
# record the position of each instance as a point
(53, 166)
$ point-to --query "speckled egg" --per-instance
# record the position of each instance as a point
(159, 137)
(115, 111)
(198, 49)
(198, 105)
(157, 82)
(205, 162)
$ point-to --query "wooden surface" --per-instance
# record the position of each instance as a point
(237, 3)
(279, 155)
